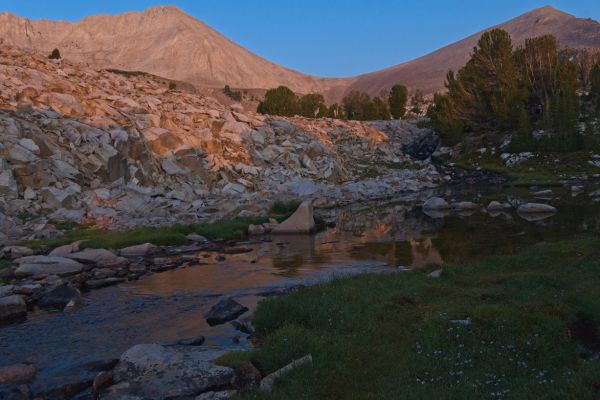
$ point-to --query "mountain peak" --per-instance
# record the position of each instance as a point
(168, 9)
(548, 11)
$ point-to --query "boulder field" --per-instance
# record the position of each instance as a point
(122, 150)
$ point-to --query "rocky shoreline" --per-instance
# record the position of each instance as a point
(115, 152)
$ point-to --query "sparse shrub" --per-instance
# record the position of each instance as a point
(172, 86)
(232, 94)
(55, 55)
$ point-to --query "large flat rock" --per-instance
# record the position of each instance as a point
(41, 266)
(167, 372)
(100, 257)
(301, 221)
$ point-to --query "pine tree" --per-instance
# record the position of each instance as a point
(358, 106)
(311, 105)
(566, 101)
(397, 101)
(280, 101)
(595, 87)
(417, 102)
(381, 109)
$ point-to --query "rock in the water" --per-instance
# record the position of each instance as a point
(301, 221)
(436, 203)
(495, 206)
(103, 380)
(140, 250)
(256, 230)
(12, 307)
(225, 310)
(59, 297)
(465, 206)
(536, 208)
(15, 392)
(544, 193)
(6, 290)
(100, 283)
(159, 372)
(195, 341)
(100, 257)
(41, 266)
(17, 374)
(243, 325)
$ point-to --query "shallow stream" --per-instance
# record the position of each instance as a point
(168, 306)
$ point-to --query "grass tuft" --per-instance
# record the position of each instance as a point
(227, 229)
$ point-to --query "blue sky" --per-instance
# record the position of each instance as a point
(326, 37)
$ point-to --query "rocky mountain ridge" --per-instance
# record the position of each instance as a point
(92, 146)
(163, 41)
(167, 42)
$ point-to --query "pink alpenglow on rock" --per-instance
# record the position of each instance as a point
(301, 221)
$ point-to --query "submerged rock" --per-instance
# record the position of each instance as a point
(465, 206)
(436, 203)
(17, 374)
(59, 297)
(195, 341)
(224, 311)
(100, 283)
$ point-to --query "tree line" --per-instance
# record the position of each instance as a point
(355, 105)
(536, 87)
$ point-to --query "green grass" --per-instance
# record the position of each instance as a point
(6, 264)
(283, 208)
(544, 169)
(227, 229)
(392, 336)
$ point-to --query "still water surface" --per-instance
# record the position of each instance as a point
(166, 307)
